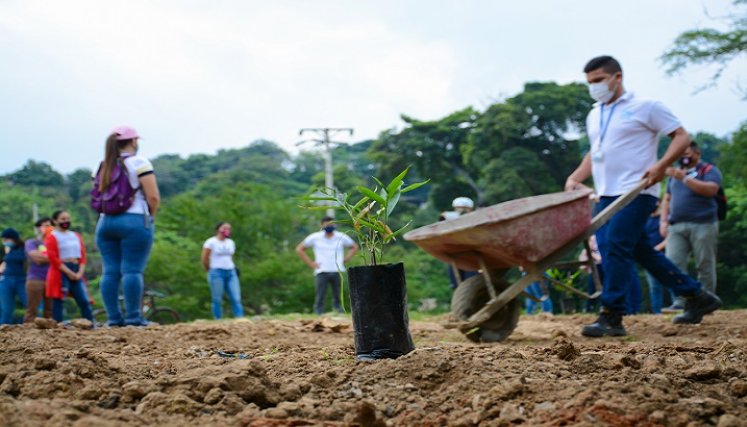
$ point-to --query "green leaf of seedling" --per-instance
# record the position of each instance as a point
(320, 208)
(401, 230)
(373, 196)
(360, 203)
(415, 186)
(397, 182)
(380, 184)
(393, 200)
(320, 199)
(372, 225)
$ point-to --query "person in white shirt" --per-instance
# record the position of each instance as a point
(623, 134)
(217, 260)
(329, 261)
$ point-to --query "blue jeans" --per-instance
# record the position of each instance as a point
(535, 290)
(225, 280)
(634, 296)
(77, 289)
(622, 242)
(124, 241)
(10, 288)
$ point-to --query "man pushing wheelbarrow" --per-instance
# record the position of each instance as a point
(536, 232)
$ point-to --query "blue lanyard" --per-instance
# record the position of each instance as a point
(604, 126)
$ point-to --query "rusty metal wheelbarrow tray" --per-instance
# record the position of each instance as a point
(533, 232)
(516, 233)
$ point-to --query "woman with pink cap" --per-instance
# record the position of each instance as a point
(125, 239)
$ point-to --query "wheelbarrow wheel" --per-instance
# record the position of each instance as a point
(472, 295)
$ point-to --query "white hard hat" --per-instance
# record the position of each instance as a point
(463, 202)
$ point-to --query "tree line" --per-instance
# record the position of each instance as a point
(520, 146)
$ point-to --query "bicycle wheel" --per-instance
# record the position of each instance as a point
(164, 316)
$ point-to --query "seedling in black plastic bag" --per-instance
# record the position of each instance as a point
(368, 212)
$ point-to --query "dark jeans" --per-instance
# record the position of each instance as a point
(321, 281)
(11, 287)
(623, 241)
(77, 289)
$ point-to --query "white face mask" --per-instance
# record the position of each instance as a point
(601, 91)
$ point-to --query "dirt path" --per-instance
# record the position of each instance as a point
(298, 373)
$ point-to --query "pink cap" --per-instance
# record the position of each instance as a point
(125, 132)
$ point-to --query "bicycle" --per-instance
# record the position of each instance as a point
(151, 312)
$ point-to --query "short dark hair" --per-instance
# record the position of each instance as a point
(41, 221)
(605, 62)
(327, 219)
(220, 224)
(694, 146)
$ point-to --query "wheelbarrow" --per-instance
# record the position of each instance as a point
(534, 233)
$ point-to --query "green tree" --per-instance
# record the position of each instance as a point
(710, 46)
(17, 207)
(79, 184)
(38, 174)
(732, 247)
(433, 148)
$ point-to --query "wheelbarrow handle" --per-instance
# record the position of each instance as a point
(602, 217)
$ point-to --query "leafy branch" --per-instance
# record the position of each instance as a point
(708, 46)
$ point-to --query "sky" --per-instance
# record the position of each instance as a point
(198, 76)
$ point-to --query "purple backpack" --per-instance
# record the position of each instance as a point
(118, 197)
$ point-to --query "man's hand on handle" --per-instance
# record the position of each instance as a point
(655, 174)
(571, 184)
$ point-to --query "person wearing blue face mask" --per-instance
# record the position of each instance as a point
(329, 261)
(13, 283)
(623, 132)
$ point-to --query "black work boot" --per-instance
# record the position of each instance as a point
(698, 306)
(608, 323)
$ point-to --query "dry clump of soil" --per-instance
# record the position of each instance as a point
(302, 373)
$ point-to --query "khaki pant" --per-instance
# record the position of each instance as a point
(35, 293)
(700, 240)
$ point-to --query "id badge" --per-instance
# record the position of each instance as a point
(597, 155)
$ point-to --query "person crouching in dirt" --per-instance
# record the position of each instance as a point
(67, 263)
(461, 205)
(217, 260)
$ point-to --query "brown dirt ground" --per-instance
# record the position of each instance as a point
(303, 373)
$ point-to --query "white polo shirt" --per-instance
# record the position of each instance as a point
(630, 142)
(328, 252)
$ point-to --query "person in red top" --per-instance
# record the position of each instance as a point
(67, 263)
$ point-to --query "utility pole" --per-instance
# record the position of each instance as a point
(325, 135)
